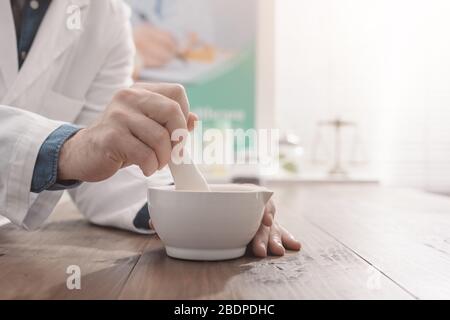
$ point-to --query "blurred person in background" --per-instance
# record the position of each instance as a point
(166, 29)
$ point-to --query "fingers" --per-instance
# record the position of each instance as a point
(154, 118)
(288, 240)
(274, 240)
(275, 244)
(163, 102)
(260, 241)
(269, 214)
(191, 121)
(161, 109)
(172, 91)
(153, 135)
(134, 151)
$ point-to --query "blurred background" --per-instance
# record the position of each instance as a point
(359, 89)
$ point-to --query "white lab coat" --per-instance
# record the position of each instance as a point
(69, 76)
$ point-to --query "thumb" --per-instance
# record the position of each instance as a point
(192, 118)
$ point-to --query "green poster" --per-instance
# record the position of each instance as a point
(216, 59)
(226, 99)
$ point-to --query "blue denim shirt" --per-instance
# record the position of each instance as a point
(45, 174)
(30, 17)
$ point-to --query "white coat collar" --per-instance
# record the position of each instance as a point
(53, 39)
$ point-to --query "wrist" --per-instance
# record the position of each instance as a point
(67, 159)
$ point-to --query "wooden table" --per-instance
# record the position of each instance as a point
(360, 241)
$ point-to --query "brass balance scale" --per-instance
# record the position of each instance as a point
(338, 170)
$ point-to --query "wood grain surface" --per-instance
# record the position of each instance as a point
(359, 242)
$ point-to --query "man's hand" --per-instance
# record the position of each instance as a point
(156, 47)
(135, 128)
(271, 237)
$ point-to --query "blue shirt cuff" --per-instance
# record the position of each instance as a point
(45, 174)
(142, 219)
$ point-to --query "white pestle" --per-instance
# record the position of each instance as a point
(187, 176)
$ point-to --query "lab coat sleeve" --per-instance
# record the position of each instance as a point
(116, 201)
(21, 136)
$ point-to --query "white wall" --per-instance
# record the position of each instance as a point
(327, 64)
(416, 94)
(384, 64)
(265, 111)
